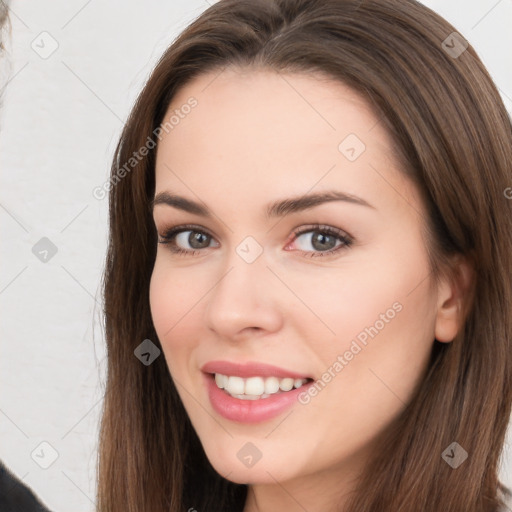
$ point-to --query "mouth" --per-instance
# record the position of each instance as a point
(252, 392)
(257, 387)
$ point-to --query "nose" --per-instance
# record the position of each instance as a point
(246, 298)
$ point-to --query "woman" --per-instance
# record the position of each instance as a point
(309, 220)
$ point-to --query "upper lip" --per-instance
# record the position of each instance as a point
(250, 369)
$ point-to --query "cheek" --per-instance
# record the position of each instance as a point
(393, 277)
(344, 302)
(384, 323)
(172, 301)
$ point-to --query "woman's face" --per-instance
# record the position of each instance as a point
(346, 303)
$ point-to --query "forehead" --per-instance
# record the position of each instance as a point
(255, 131)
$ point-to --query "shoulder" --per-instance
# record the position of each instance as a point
(15, 495)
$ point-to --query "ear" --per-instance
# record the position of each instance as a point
(454, 293)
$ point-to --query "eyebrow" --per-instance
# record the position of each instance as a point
(278, 208)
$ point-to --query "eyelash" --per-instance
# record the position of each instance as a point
(167, 238)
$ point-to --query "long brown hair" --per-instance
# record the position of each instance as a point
(454, 139)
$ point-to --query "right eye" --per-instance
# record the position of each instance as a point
(177, 238)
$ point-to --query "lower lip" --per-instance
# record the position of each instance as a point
(250, 411)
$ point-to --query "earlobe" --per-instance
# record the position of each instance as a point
(454, 294)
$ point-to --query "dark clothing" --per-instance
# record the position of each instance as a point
(15, 496)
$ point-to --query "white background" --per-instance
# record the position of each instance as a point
(60, 121)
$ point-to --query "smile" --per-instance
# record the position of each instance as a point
(254, 388)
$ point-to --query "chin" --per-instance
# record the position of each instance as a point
(261, 471)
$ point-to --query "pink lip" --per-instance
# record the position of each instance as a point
(250, 369)
(250, 411)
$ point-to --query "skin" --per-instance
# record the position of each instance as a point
(255, 137)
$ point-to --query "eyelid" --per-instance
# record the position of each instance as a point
(296, 231)
(174, 230)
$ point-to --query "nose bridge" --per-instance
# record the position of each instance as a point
(243, 296)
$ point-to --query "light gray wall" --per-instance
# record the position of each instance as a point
(61, 118)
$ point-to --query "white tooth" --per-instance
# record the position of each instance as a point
(235, 385)
(247, 397)
(286, 384)
(271, 385)
(254, 386)
(219, 380)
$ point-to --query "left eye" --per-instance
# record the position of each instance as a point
(322, 240)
